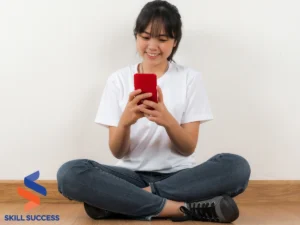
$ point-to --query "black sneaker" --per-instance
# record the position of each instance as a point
(96, 213)
(221, 209)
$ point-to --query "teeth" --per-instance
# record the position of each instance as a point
(152, 54)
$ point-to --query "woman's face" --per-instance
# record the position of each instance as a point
(154, 50)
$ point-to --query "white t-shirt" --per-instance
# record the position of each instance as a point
(151, 149)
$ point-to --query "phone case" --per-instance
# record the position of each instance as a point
(147, 83)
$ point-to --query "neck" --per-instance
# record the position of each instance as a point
(159, 69)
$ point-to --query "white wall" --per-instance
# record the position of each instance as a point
(55, 57)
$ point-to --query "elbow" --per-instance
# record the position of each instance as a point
(190, 148)
(193, 148)
(190, 151)
(115, 152)
(116, 155)
(187, 152)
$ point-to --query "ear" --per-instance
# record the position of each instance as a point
(175, 43)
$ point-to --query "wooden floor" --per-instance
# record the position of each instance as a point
(73, 214)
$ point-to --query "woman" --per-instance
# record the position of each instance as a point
(156, 175)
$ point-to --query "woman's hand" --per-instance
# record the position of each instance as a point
(160, 114)
(132, 112)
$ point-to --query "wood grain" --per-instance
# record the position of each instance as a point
(73, 214)
(264, 191)
(258, 191)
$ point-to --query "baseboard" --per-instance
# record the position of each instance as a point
(258, 191)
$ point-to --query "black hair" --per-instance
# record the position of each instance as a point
(161, 14)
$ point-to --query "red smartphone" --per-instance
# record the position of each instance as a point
(147, 83)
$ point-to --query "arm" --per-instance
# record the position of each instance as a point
(185, 137)
(119, 137)
(119, 140)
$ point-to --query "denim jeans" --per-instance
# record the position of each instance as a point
(119, 190)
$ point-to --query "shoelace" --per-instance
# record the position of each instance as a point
(202, 212)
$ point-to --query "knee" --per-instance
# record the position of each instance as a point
(64, 173)
(239, 168)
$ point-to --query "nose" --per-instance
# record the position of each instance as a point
(152, 44)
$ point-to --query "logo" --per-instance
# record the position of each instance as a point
(34, 200)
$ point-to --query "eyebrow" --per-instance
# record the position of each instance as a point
(161, 35)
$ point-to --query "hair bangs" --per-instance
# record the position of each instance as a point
(161, 23)
(161, 26)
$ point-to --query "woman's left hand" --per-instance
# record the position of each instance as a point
(159, 114)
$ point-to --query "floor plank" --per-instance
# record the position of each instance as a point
(73, 214)
(267, 214)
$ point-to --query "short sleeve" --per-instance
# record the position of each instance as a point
(197, 106)
(109, 111)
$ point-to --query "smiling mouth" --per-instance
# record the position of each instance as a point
(153, 55)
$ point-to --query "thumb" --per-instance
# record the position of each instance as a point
(160, 94)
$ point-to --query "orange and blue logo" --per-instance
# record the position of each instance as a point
(34, 200)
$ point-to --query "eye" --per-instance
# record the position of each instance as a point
(162, 40)
(145, 38)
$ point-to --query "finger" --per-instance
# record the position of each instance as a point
(160, 94)
(152, 118)
(148, 111)
(138, 108)
(140, 97)
(139, 113)
(150, 103)
(141, 108)
(133, 94)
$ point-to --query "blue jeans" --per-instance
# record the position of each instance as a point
(119, 190)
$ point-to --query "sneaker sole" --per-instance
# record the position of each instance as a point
(228, 207)
(95, 213)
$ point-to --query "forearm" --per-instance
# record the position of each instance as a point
(120, 141)
(182, 140)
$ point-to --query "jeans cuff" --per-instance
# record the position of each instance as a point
(148, 218)
(153, 189)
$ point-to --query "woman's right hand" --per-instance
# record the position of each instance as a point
(132, 112)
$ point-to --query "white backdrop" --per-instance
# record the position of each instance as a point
(55, 57)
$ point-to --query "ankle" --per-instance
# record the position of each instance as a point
(172, 209)
(148, 189)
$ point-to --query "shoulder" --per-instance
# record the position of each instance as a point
(122, 75)
(188, 73)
